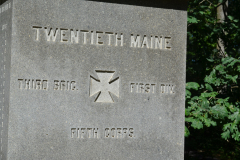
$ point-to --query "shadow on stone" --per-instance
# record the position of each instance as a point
(169, 4)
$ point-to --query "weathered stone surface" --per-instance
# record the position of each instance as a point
(92, 80)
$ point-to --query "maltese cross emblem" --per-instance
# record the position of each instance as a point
(104, 86)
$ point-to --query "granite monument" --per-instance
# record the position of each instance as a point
(92, 80)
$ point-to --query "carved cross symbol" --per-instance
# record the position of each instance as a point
(104, 86)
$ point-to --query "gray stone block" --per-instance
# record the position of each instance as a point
(92, 80)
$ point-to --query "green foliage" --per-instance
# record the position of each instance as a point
(213, 82)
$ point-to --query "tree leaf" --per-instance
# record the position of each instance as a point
(233, 78)
(230, 17)
(188, 93)
(192, 19)
(209, 87)
(235, 117)
(238, 68)
(190, 119)
(219, 111)
(186, 133)
(197, 124)
(210, 60)
(227, 60)
(220, 67)
(226, 135)
(192, 85)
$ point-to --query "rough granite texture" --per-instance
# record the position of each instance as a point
(92, 80)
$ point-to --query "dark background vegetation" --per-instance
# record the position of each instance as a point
(212, 89)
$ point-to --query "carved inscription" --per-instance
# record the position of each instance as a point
(3, 64)
(104, 86)
(74, 35)
(41, 84)
(84, 133)
(167, 88)
(142, 88)
(95, 133)
(152, 42)
(5, 7)
(64, 85)
(37, 84)
(100, 38)
(4, 27)
(118, 133)
(164, 88)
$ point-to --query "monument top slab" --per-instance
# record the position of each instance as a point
(170, 4)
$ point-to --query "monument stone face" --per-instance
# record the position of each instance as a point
(92, 80)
